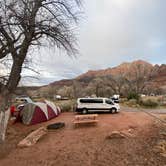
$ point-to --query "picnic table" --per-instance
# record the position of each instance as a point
(90, 118)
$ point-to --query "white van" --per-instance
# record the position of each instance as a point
(85, 105)
(24, 99)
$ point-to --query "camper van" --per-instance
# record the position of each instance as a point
(23, 99)
(85, 105)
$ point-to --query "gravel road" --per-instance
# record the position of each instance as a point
(154, 111)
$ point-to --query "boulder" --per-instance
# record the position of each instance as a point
(115, 135)
(33, 137)
(160, 148)
(163, 134)
(128, 133)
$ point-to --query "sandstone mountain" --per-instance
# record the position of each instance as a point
(122, 68)
(156, 75)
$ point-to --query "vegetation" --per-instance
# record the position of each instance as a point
(146, 102)
(132, 103)
(66, 105)
(128, 84)
(149, 103)
(133, 95)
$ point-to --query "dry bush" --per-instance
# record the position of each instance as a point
(66, 105)
(149, 102)
(163, 104)
(123, 100)
(132, 103)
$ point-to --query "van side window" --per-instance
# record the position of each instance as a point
(109, 102)
(91, 101)
(97, 101)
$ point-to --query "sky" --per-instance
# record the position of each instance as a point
(110, 33)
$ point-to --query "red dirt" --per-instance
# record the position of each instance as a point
(86, 145)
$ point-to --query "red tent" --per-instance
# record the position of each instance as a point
(34, 113)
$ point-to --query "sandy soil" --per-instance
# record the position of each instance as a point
(87, 145)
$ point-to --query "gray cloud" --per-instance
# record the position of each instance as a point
(113, 31)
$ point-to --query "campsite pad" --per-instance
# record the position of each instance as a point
(87, 146)
(55, 126)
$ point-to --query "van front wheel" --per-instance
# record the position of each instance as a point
(113, 110)
(84, 111)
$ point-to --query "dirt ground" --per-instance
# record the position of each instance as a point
(87, 145)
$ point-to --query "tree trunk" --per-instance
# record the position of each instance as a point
(4, 115)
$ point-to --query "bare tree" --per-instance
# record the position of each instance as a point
(137, 79)
(25, 24)
(134, 80)
(77, 89)
(66, 91)
(96, 86)
(116, 83)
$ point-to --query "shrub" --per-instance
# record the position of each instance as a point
(133, 95)
(132, 103)
(163, 104)
(66, 106)
(123, 100)
(149, 103)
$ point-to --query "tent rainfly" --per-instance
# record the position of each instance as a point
(38, 112)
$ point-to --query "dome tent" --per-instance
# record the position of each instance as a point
(38, 112)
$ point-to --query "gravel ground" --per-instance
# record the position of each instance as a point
(154, 111)
(87, 145)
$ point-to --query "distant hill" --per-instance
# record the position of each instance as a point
(122, 68)
(157, 75)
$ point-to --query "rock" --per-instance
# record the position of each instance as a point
(130, 130)
(160, 148)
(115, 134)
(32, 138)
(128, 133)
(163, 154)
(163, 134)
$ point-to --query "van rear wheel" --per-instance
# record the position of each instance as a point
(84, 111)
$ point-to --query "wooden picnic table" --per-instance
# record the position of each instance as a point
(90, 118)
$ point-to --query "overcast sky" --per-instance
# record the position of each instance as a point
(112, 32)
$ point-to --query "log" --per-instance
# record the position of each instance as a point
(33, 137)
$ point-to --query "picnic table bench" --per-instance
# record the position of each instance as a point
(90, 118)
